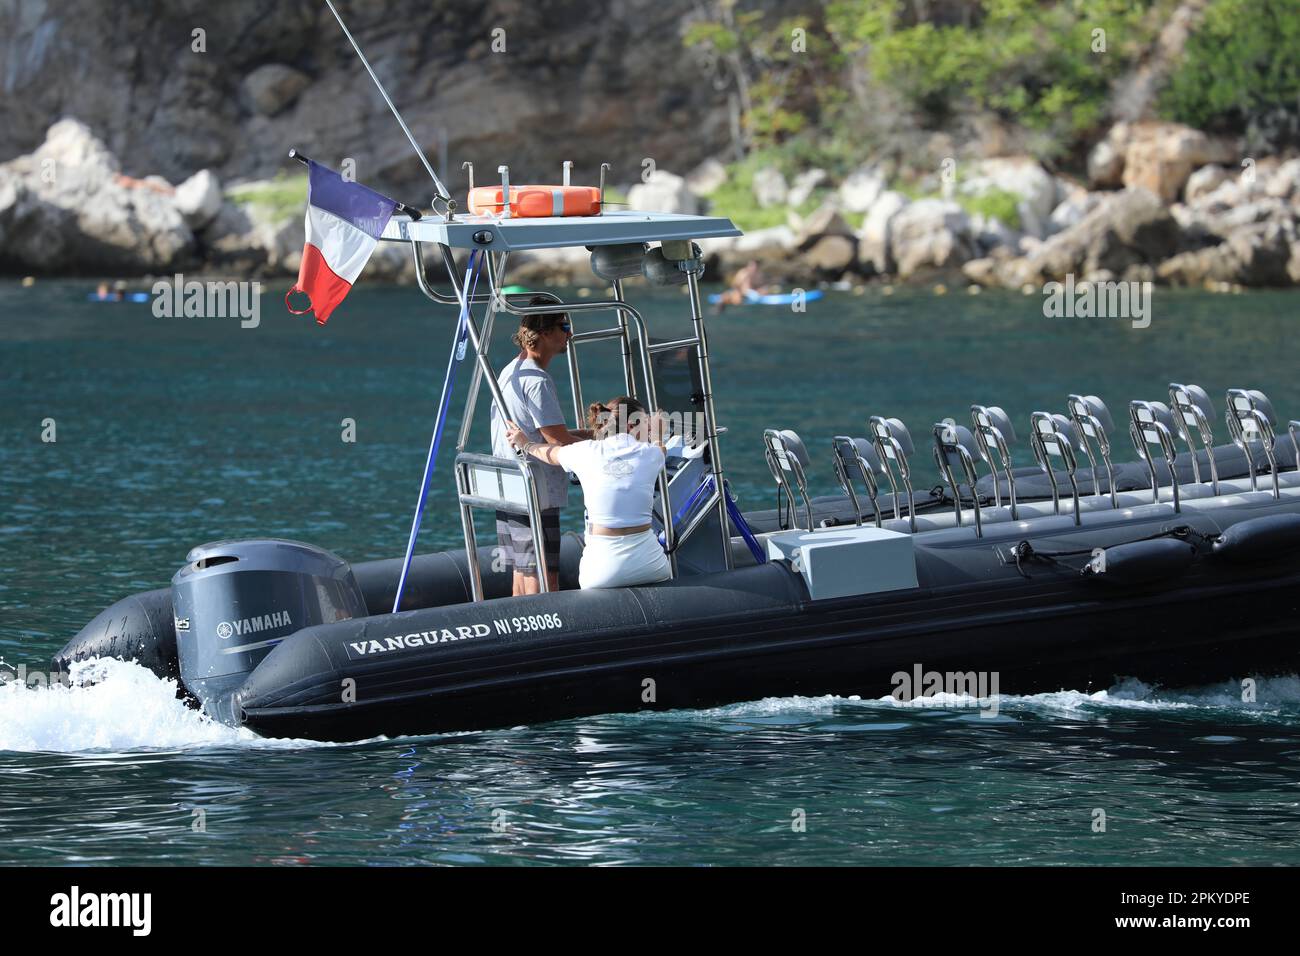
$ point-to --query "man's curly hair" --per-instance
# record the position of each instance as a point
(531, 327)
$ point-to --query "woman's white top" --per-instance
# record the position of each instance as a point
(618, 477)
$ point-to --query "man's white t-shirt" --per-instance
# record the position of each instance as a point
(618, 476)
(533, 404)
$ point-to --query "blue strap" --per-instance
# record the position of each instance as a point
(742, 526)
(448, 383)
(705, 487)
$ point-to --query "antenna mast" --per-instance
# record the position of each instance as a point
(442, 190)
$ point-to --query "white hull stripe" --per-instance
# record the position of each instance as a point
(251, 647)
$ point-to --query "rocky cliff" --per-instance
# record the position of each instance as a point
(174, 87)
(170, 153)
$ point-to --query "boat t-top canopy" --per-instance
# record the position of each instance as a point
(622, 243)
(499, 234)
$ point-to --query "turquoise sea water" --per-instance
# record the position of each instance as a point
(173, 432)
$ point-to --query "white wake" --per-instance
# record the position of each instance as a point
(110, 705)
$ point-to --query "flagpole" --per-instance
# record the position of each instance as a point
(442, 190)
(414, 213)
(402, 207)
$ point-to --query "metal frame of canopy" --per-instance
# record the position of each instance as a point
(495, 238)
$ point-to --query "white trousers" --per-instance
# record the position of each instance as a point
(610, 561)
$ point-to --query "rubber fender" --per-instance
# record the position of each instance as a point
(618, 262)
(1258, 539)
(1140, 562)
(659, 270)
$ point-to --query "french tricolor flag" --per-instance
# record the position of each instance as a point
(344, 222)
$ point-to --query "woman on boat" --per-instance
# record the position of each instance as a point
(618, 469)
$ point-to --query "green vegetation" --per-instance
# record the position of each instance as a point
(814, 84)
(1241, 64)
(735, 198)
(993, 203)
(848, 80)
(277, 199)
(778, 82)
(1049, 66)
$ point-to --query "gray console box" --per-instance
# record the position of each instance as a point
(841, 562)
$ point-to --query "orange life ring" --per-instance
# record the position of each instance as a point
(537, 202)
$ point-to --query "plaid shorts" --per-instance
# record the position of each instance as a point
(515, 538)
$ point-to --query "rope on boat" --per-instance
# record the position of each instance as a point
(1024, 552)
(458, 343)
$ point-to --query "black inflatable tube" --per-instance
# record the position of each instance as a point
(141, 628)
(750, 633)
(1260, 539)
(409, 670)
(1161, 560)
(137, 628)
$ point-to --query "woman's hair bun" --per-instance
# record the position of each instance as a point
(611, 417)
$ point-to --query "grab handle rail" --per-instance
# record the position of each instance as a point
(497, 484)
(785, 467)
(1049, 440)
(1092, 431)
(1146, 429)
(990, 440)
(848, 456)
(1189, 414)
(1248, 422)
(947, 445)
(894, 458)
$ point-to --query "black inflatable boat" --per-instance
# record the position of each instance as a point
(1182, 567)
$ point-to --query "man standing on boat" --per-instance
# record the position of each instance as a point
(533, 404)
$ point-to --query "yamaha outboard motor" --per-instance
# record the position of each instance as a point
(235, 600)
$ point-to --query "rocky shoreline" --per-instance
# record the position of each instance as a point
(1161, 203)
